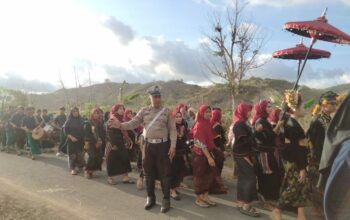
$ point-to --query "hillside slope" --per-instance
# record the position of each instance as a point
(173, 92)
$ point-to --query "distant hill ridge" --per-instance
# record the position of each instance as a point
(173, 92)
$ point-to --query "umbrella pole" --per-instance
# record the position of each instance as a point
(304, 63)
(299, 63)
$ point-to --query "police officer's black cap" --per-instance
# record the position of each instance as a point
(154, 90)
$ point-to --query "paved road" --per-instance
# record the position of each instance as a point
(46, 184)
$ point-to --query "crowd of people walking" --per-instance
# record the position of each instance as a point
(277, 161)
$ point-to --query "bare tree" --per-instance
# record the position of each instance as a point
(90, 87)
(77, 86)
(64, 89)
(233, 47)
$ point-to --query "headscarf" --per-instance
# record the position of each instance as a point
(181, 124)
(71, 113)
(260, 110)
(114, 112)
(338, 132)
(216, 116)
(126, 115)
(76, 121)
(274, 116)
(179, 107)
(92, 119)
(241, 112)
(202, 131)
(106, 116)
(101, 113)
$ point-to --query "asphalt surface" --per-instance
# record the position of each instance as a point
(47, 186)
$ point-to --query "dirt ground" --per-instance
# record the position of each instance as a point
(16, 205)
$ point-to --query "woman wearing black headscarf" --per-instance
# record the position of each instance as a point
(94, 137)
(74, 130)
(178, 167)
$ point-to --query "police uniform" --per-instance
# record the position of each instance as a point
(159, 134)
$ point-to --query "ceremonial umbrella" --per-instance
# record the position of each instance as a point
(318, 29)
(299, 53)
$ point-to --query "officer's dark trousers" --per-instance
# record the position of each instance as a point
(156, 165)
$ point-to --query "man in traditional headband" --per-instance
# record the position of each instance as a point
(316, 134)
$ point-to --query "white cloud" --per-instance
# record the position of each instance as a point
(345, 77)
(14, 81)
(347, 2)
(319, 78)
(38, 43)
(206, 2)
(263, 58)
(204, 41)
(124, 32)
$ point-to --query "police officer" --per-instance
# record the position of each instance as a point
(160, 142)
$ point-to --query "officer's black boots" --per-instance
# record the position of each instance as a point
(150, 202)
(151, 197)
(165, 206)
(166, 192)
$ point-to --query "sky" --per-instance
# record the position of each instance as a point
(42, 41)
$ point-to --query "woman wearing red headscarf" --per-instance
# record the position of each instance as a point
(132, 134)
(219, 133)
(117, 155)
(274, 118)
(268, 170)
(204, 168)
(94, 137)
(136, 152)
(243, 156)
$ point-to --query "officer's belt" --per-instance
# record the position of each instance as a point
(156, 141)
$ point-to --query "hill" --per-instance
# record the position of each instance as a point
(173, 92)
(340, 88)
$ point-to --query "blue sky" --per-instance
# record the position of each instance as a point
(145, 40)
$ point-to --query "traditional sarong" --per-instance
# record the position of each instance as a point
(33, 145)
(246, 182)
(293, 193)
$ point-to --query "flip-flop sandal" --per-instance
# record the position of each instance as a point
(238, 207)
(202, 204)
(128, 182)
(111, 182)
(177, 197)
(211, 203)
(251, 211)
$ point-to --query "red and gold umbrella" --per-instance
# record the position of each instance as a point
(318, 29)
(299, 52)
